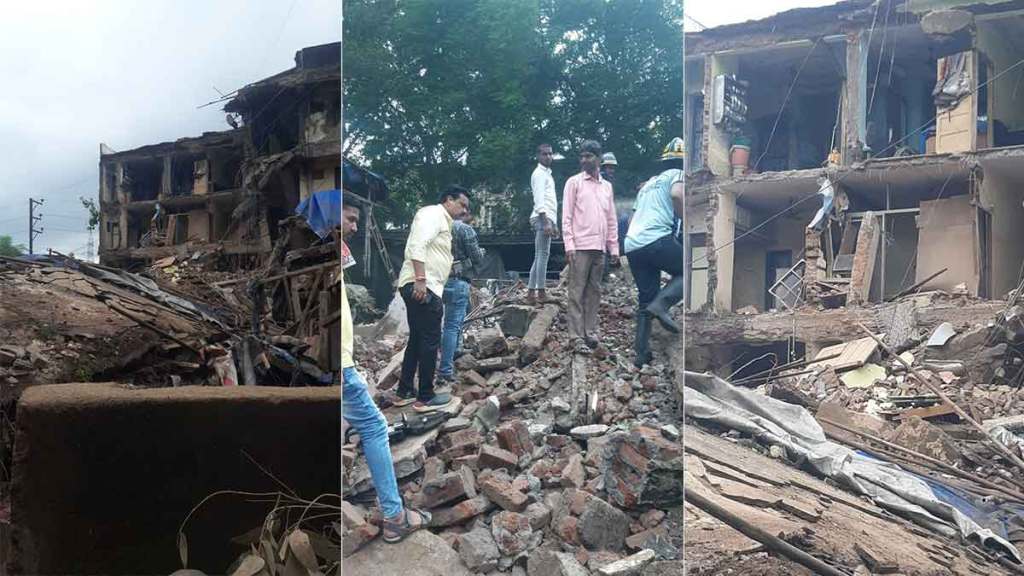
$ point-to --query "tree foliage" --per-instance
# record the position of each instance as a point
(443, 91)
(94, 212)
(9, 248)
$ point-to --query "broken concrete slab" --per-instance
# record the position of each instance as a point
(421, 554)
(942, 334)
(629, 566)
(409, 455)
(864, 377)
(554, 563)
(478, 550)
(924, 437)
(187, 432)
(589, 431)
(515, 320)
(603, 526)
(533, 341)
(450, 487)
(487, 343)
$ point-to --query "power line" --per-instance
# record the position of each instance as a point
(692, 19)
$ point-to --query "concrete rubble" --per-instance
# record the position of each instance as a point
(521, 483)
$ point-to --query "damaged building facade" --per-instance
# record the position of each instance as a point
(849, 154)
(225, 192)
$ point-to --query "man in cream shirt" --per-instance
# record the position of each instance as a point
(428, 262)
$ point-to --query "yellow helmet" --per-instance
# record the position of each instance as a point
(674, 150)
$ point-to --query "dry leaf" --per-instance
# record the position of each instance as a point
(267, 551)
(250, 537)
(300, 546)
(183, 549)
(324, 548)
(251, 566)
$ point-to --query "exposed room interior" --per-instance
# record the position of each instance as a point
(793, 104)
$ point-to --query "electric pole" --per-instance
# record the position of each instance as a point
(32, 219)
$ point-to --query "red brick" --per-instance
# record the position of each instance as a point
(578, 501)
(652, 518)
(573, 475)
(503, 494)
(461, 512)
(457, 452)
(515, 437)
(473, 378)
(465, 436)
(494, 457)
(448, 488)
(568, 530)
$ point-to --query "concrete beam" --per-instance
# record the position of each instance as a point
(104, 475)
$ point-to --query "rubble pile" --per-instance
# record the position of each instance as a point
(550, 462)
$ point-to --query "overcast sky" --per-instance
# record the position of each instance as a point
(713, 13)
(127, 74)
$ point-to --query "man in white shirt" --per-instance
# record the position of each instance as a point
(428, 261)
(542, 220)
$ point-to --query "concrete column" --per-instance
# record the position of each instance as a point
(855, 96)
(719, 141)
(724, 224)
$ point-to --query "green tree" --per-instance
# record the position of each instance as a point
(94, 212)
(443, 91)
(9, 248)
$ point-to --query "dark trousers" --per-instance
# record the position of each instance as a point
(647, 264)
(424, 340)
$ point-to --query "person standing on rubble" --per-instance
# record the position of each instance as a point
(428, 262)
(362, 413)
(651, 248)
(608, 166)
(468, 257)
(543, 218)
(589, 230)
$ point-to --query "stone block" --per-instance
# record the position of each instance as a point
(515, 320)
(533, 341)
(553, 563)
(602, 526)
(449, 488)
(487, 342)
(421, 554)
(642, 468)
(629, 566)
(478, 551)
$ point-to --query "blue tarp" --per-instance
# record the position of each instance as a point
(322, 211)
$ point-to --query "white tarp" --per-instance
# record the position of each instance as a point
(709, 398)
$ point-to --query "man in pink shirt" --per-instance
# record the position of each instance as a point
(589, 230)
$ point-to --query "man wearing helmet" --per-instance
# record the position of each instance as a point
(652, 248)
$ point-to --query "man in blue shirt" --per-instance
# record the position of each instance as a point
(652, 248)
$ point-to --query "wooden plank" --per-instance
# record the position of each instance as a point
(956, 128)
(846, 356)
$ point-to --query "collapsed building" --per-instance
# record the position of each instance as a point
(888, 158)
(226, 191)
(855, 287)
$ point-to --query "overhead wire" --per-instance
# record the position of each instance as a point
(785, 102)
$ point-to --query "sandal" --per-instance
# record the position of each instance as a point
(395, 532)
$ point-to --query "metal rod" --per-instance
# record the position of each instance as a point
(1015, 460)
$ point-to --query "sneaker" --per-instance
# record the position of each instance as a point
(404, 398)
(438, 402)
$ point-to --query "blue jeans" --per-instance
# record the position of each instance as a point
(456, 305)
(360, 411)
(542, 250)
